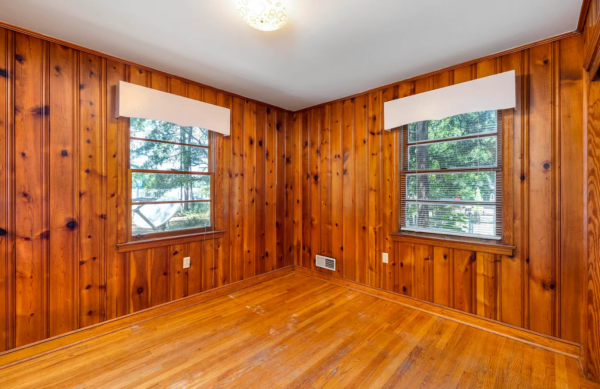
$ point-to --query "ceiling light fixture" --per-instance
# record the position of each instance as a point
(264, 15)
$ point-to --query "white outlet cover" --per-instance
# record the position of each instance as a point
(385, 258)
(186, 262)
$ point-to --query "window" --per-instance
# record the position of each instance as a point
(171, 179)
(451, 175)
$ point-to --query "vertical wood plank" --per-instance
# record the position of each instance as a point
(298, 188)
(271, 203)
(464, 280)
(206, 251)
(348, 182)
(542, 213)
(389, 181)
(325, 181)
(261, 195)
(90, 197)
(30, 113)
(442, 275)
(116, 286)
(63, 188)
(336, 199)
(290, 237)
(360, 188)
(139, 290)
(512, 267)
(572, 256)
(423, 272)
(279, 187)
(306, 184)
(488, 272)
(249, 206)
(223, 201)
(6, 82)
(158, 274)
(406, 268)
(178, 275)
(374, 188)
(593, 231)
(237, 193)
(315, 186)
(201, 259)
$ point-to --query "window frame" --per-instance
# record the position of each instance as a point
(501, 201)
(210, 172)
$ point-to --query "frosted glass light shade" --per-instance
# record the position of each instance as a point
(264, 15)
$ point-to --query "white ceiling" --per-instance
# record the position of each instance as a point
(329, 48)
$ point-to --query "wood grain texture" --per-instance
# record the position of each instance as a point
(593, 231)
(62, 190)
(533, 278)
(30, 144)
(6, 136)
(63, 178)
(320, 342)
(591, 36)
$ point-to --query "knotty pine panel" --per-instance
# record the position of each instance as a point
(593, 231)
(541, 286)
(64, 193)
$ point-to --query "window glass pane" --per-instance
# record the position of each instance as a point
(473, 123)
(169, 187)
(467, 186)
(149, 218)
(165, 156)
(452, 218)
(159, 130)
(466, 153)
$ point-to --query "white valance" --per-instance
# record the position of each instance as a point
(140, 102)
(484, 94)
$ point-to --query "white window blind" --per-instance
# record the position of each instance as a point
(451, 180)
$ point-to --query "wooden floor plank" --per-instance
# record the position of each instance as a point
(296, 331)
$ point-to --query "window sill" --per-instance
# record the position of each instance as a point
(168, 241)
(463, 244)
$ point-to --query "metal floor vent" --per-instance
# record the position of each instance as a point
(326, 262)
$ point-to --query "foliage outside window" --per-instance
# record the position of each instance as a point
(171, 179)
(451, 180)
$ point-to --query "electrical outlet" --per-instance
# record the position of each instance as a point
(186, 262)
(385, 258)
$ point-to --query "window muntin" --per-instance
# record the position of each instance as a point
(170, 178)
(167, 156)
(451, 176)
(455, 154)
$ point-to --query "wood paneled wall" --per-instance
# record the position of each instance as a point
(591, 37)
(349, 197)
(62, 194)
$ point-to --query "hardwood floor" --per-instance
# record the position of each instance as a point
(296, 331)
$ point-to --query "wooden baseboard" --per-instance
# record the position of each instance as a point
(21, 354)
(550, 343)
